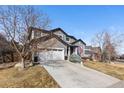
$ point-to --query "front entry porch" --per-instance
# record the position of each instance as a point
(71, 50)
(74, 49)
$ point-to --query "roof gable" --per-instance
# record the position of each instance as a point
(30, 29)
(45, 38)
(59, 29)
(79, 40)
(50, 34)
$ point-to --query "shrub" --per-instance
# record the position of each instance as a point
(75, 58)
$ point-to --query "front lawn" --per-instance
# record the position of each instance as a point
(33, 77)
(115, 70)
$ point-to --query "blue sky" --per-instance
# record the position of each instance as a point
(84, 21)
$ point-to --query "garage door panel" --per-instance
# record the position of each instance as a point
(42, 56)
(58, 55)
(52, 54)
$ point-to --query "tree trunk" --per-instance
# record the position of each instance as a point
(109, 58)
(102, 58)
(22, 63)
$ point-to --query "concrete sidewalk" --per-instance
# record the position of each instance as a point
(118, 85)
(70, 75)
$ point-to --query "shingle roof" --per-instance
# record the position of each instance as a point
(30, 29)
(49, 31)
(44, 38)
(59, 29)
(55, 30)
(79, 40)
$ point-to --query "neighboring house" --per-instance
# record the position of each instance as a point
(55, 44)
(93, 53)
(88, 52)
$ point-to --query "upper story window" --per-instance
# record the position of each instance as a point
(37, 34)
(67, 38)
(60, 36)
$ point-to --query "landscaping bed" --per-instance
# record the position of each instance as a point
(32, 77)
(107, 68)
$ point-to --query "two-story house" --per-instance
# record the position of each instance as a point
(55, 44)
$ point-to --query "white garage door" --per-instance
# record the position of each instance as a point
(51, 54)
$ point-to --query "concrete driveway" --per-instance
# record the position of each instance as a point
(71, 75)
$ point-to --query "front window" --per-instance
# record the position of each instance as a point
(67, 38)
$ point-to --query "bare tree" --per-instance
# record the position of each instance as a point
(15, 21)
(98, 41)
(108, 44)
(109, 47)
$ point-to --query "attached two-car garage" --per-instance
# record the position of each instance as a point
(51, 54)
(50, 48)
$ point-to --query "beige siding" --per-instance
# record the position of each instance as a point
(71, 40)
(61, 33)
(43, 34)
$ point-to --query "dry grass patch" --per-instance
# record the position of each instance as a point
(110, 69)
(33, 77)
